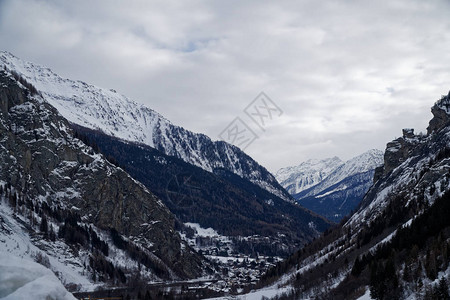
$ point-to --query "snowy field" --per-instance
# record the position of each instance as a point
(25, 279)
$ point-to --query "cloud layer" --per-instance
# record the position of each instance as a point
(349, 75)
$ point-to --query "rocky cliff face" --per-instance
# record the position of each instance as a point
(118, 116)
(440, 113)
(399, 150)
(410, 144)
(41, 160)
(414, 163)
(396, 243)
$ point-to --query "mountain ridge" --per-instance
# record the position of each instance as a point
(326, 186)
(395, 246)
(119, 116)
(222, 200)
(65, 202)
(310, 172)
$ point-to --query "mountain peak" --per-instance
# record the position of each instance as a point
(116, 115)
(364, 162)
(311, 172)
(331, 187)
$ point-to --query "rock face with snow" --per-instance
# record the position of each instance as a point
(47, 172)
(398, 150)
(307, 174)
(118, 116)
(231, 205)
(331, 187)
(417, 165)
(395, 246)
(441, 114)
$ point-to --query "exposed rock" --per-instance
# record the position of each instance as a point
(399, 150)
(408, 133)
(378, 173)
(440, 112)
(41, 158)
(116, 115)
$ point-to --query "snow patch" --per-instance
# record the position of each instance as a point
(21, 278)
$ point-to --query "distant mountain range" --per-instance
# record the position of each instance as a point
(331, 187)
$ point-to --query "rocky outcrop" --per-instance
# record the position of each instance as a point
(417, 164)
(41, 159)
(398, 151)
(440, 112)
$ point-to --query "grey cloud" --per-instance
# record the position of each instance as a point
(348, 74)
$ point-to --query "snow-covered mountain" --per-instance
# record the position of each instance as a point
(415, 166)
(365, 162)
(74, 212)
(307, 174)
(66, 206)
(331, 187)
(116, 115)
(395, 246)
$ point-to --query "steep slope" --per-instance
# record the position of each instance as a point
(50, 182)
(116, 115)
(337, 201)
(330, 187)
(21, 278)
(307, 174)
(236, 208)
(365, 162)
(396, 245)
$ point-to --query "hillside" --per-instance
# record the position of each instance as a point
(118, 116)
(74, 212)
(264, 223)
(396, 244)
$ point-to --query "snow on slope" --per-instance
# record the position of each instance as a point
(307, 174)
(360, 164)
(21, 278)
(331, 187)
(15, 241)
(314, 176)
(420, 174)
(410, 174)
(116, 115)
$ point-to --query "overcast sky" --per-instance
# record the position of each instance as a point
(348, 75)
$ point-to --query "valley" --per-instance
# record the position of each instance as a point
(99, 207)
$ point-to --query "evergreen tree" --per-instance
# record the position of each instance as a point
(357, 267)
(147, 296)
(52, 234)
(376, 282)
(44, 226)
(430, 266)
(384, 282)
(442, 290)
